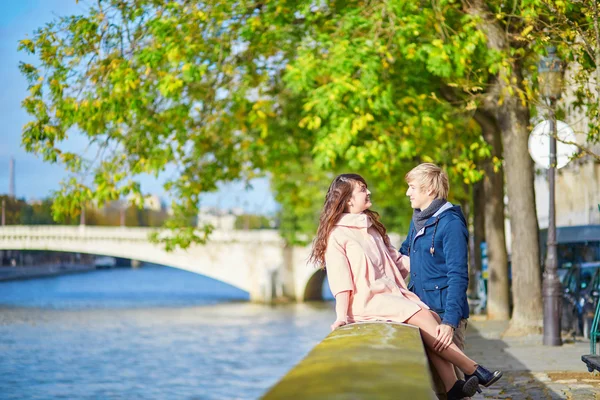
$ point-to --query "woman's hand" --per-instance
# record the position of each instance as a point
(342, 302)
(337, 324)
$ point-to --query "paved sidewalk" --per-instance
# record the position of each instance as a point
(531, 370)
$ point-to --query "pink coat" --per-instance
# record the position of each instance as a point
(358, 260)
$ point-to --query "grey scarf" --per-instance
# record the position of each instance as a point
(420, 217)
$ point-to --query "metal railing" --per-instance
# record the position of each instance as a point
(132, 234)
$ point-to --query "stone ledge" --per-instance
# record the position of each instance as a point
(361, 361)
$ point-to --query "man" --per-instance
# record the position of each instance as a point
(437, 244)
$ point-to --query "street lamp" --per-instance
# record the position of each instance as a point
(82, 216)
(551, 78)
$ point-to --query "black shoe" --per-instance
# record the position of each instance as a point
(486, 377)
(462, 389)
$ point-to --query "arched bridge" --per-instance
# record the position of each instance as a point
(258, 262)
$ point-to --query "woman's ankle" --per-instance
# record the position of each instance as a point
(471, 370)
(448, 386)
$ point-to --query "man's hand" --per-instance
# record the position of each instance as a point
(444, 337)
(337, 324)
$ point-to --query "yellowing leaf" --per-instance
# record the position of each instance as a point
(471, 105)
(526, 31)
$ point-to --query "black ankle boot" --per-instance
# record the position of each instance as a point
(485, 376)
(462, 389)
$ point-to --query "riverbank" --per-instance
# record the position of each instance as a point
(8, 273)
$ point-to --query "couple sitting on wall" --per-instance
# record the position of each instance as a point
(367, 274)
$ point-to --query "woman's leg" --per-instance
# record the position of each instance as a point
(457, 371)
(442, 366)
(435, 316)
(444, 369)
(428, 324)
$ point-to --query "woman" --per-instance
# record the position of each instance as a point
(366, 276)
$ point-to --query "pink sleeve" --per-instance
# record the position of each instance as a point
(401, 261)
(339, 274)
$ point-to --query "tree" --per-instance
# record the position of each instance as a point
(496, 85)
(478, 55)
(225, 90)
(362, 71)
(251, 221)
(371, 107)
(152, 85)
(13, 209)
(500, 86)
(197, 89)
(38, 213)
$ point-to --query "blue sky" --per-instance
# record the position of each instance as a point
(36, 179)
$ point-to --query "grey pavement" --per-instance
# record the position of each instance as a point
(531, 370)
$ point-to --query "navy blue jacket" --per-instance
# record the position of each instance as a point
(439, 272)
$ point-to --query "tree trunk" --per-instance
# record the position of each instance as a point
(466, 207)
(478, 235)
(498, 302)
(512, 118)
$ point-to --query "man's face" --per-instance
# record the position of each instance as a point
(419, 198)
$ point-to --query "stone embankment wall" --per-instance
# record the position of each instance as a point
(40, 271)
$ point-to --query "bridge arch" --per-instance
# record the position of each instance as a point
(314, 287)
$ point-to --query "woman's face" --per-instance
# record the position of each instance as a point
(360, 200)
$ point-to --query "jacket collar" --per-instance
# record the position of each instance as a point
(443, 208)
(361, 220)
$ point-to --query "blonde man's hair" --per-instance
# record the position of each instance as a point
(431, 178)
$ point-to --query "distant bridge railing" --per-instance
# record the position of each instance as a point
(134, 234)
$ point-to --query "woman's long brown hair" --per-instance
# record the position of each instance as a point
(338, 195)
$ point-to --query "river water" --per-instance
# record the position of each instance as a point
(147, 333)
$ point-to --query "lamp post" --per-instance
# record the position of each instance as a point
(82, 216)
(550, 75)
